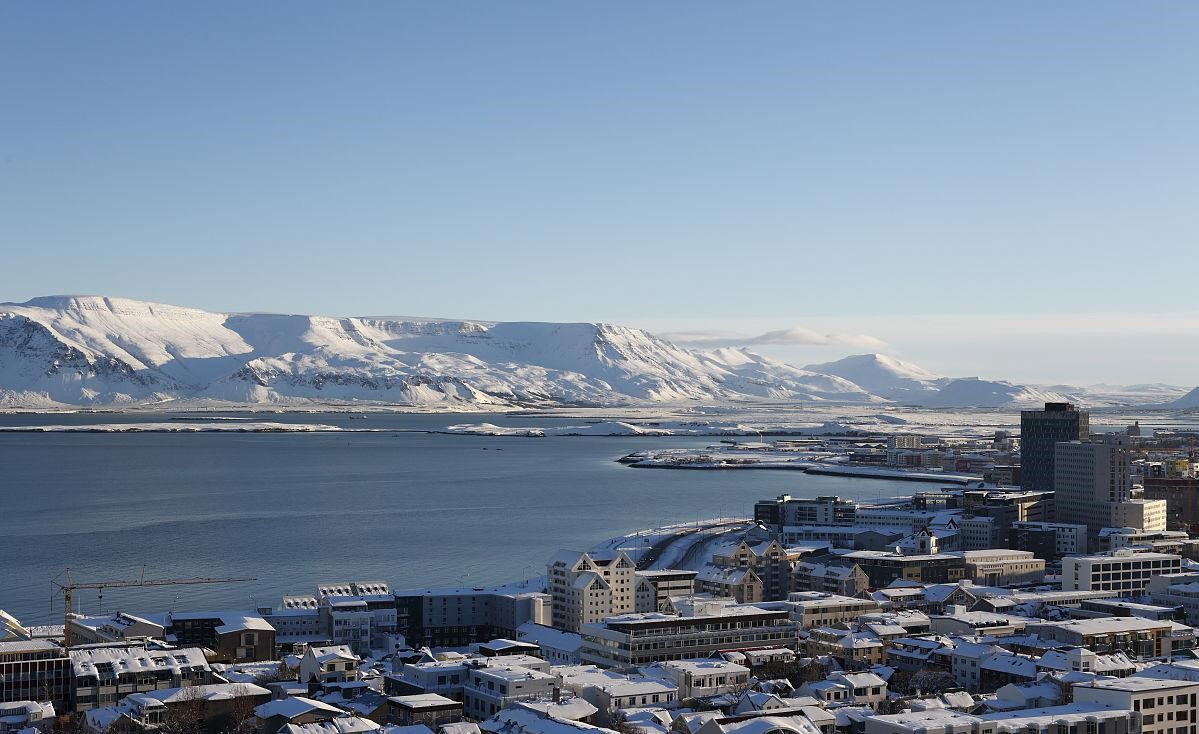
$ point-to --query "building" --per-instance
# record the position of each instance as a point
(117, 627)
(102, 676)
(654, 589)
(830, 577)
(817, 609)
(704, 678)
(489, 689)
(1166, 706)
(21, 716)
(704, 628)
(458, 617)
(558, 647)
(361, 615)
(1076, 718)
(788, 510)
(1094, 487)
(332, 664)
(849, 536)
(1003, 567)
(1134, 636)
(770, 562)
(1123, 572)
(957, 621)
(297, 621)
(1049, 540)
(740, 584)
(1040, 432)
(882, 568)
(233, 637)
(586, 587)
(429, 709)
(35, 670)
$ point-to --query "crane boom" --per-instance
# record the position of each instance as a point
(69, 586)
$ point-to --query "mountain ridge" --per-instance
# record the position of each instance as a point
(100, 350)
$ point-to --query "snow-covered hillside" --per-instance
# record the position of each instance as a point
(91, 350)
(87, 350)
(885, 376)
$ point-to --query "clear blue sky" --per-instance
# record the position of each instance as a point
(742, 166)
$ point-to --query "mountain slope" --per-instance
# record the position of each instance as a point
(84, 350)
(885, 376)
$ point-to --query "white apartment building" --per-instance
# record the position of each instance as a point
(817, 609)
(704, 678)
(1140, 514)
(586, 587)
(489, 689)
(359, 614)
(1166, 706)
(1123, 572)
(1003, 567)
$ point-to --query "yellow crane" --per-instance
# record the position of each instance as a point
(68, 586)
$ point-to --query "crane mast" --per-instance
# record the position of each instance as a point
(68, 586)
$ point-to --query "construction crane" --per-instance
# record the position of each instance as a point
(68, 586)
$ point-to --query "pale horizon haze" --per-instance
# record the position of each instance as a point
(1003, 190)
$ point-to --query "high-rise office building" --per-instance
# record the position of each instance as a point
(1093, 487)
(1089, 477)
(1040, 430)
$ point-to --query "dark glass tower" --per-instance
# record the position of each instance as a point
(1040, 430)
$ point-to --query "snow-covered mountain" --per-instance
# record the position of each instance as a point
(885, 376)
(91, 350)
(86, 350)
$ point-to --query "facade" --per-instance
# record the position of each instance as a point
(35, 670)
(332, 664)
(817, 609)
(882, 568)
(102, 676)
(844, 579)
(1040, 432)
(769, 561)
(788, 510)
(359, 614)
(1166, 706)
(1003, 567)
(458, 617)
(706, 629)
(1123, 572)
(654, 589)
(1049, 540)
(740, 584)
(586, 587)
(429, 709)
(1133, 636)
(705, 678)
(297, 621)
(1094, 488)
(491, 688)
(234, 637)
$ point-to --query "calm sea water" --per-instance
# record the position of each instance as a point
(402, 506)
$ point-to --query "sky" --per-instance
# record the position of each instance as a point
(1004, 189)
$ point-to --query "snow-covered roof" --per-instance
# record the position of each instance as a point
(290, 708)
(115, 660)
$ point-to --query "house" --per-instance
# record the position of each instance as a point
(233, 637)
(333, 663)
(274, 715)
(702, 678)
(557, 646)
